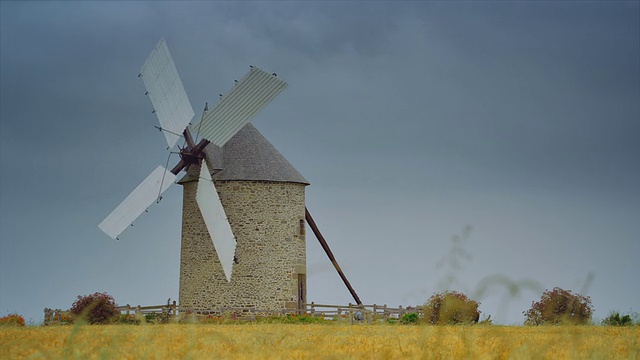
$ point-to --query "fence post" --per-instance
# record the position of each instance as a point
(400, 312)
(350, 314)
(385, 314)
(175, 308)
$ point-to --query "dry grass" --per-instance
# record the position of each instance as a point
(318, 341)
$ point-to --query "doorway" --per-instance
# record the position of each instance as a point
(302, 290)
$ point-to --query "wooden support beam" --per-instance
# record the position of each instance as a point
(179, 166)
(187, 136)
(327, 250)
(196, 150)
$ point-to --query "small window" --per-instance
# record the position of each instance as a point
(302, 227)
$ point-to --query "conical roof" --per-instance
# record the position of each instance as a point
(250, 156)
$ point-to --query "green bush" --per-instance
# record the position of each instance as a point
(559, 306)
(290, 319)
(150, 317)
(409, 319)
(304, 319)
(451, 308)
(157, 318)
(614, 319)
(97, 308)
(128, 319)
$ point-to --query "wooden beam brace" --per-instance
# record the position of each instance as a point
(196, 150)
(187, 136)
(179, 166)
(326, 249)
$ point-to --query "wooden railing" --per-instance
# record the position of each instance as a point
(171, 308)
(360, 313)
(353, 313)
(56, 316)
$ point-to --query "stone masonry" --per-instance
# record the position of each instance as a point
(267, 219)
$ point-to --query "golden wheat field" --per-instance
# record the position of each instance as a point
(318, 341)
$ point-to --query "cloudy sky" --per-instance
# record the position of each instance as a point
(468, 146)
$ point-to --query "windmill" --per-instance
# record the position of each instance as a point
(243, 241)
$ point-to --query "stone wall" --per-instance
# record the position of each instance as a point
(267, 219)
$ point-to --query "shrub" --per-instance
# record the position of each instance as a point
(12, 320)
(408, 319)
(97, 308)
(157, 318)
(130, 319)
(614, 319)
(559, 306)
(290, 319)
(301, 319)
(486, 321)
(150, 318)
(451, 308)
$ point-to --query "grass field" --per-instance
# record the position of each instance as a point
(318, 341)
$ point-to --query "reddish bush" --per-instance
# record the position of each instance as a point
(451, 308)
(12, 320)
(559, 306)
(98, 308)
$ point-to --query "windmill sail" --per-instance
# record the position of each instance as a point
(219, 125)
(166, 92)
(242, 103)
(216, 220)
(137, 202)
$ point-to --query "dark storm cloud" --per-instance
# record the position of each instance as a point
(545, 95)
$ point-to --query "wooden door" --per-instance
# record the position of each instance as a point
(302, 290)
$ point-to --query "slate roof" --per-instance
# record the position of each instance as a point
(250, 156)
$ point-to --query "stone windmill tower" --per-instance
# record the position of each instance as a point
(264, 200)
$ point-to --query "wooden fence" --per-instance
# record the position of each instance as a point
(56, 316)
(352, 312)
(360, 313)
(170, 308)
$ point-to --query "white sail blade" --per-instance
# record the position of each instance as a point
(137, 202)
(247, 98)
(166, 92)
(216, 220)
